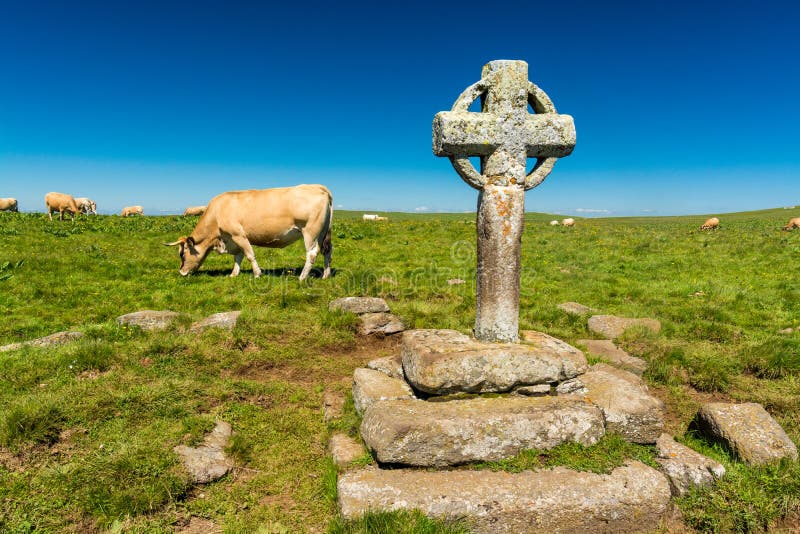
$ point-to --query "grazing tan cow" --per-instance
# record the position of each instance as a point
(568, 222)
(194, 211)
(86, 205)
(132, 210)
(8, 204)
(711, 224)
(793, 223)
(274, 218)
(60, 202)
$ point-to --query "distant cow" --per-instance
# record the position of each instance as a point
(711, 224)
(86, 205)
(553, 223)
(274, 218)
(568, 222)
(60, 202)
(369, 217)
(194, 211)
(793, 223)
(132, 210)
(8, 204)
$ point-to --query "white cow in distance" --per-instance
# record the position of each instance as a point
(86, 205)
(554, 223)
(568, 222)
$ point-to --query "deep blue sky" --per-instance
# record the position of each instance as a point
(680, 107)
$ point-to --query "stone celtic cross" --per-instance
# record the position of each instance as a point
(504, 135)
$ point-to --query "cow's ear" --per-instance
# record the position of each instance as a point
(180, 241)
(190, 243)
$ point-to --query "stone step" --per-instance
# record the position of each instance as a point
(424, 433)
(441, 362)
(631, 498)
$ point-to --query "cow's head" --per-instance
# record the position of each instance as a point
(191, 256)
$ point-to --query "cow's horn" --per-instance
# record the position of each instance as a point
(178, 242)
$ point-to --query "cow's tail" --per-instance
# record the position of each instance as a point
(327, 243)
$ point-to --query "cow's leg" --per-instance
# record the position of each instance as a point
(326, 247)
(237, 264)
(247, 249)
(312, 249)
(50, 213)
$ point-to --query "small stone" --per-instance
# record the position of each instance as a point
(209, 461)
(359, 305)
(390, 365)
(370, 386)
(59, 338)
(379, 323)
(614, 355)
(149, 319)
(423, 433)
(628, 407)
(784, 331)
(571, 386)
(748, 430)
(332, 405)
(632, 498)
(225, 320)
(612, 327)
(685, 467)
(344, 449)
(575, 308)
(446, 361)
(539, 390)
(455, 282)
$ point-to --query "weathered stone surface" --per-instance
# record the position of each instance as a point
(390, 365)
(573, 385)
(631, 498)
(425, 433)
(627, 406)
(344, 449)
(149, 319)
(359, 305)
(447, 361)
(370, 386)
(539, 390)
(748, 430)
(379, 323)
(614, 355)
(685, 467)
(612, 327)
(332, 405)
(225, 320)
(59, 338)
(575, 308)
(209, 461)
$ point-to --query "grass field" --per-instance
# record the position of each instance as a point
(87, 429)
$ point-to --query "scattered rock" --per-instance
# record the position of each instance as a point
(612, 327)
(344, 449)
(628, 407)
(539, 390)
(332, 405)
(446, 361)
(571, 386)
(575, 308)
(390, 365)
(59, 338)
(748, 430)
(208, 462)
(455, 282)
(379, 323)
(685, 467)
(614, 355)
(370, 386)
(784, 331)
(422, 433)
(629, 499)
(359, 305)
(226, 320)
(149, 319)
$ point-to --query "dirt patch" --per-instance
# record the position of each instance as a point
(281, 501)
(10, 461)
(198, 525)
(682, 408)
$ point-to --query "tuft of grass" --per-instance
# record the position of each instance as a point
(30, 421)
(399, 522)
(777, 357)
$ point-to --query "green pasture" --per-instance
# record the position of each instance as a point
(87, 429)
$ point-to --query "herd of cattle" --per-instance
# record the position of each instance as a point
(64, 203)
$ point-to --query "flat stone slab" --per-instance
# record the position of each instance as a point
(539, 390)
(149, 319)
(627, 406)
(209, 461)
(614, 355)
(685, 468)
(446, 361)
(344, 450)
(390, 365)
(632, 498)
(224, 320)
(423, 433)
(612, 327)
(748, 430)
(359, 305)
(370, 386)
(379, 323)
(575, 308)
(59, 338)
